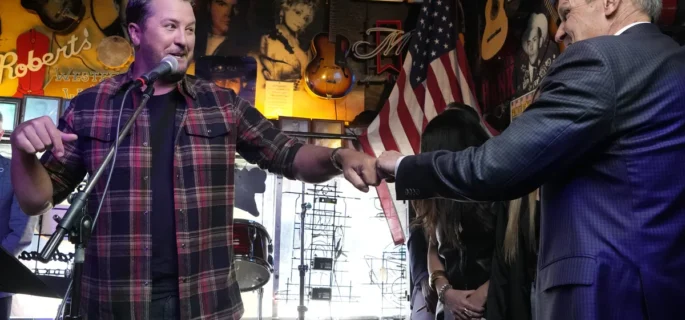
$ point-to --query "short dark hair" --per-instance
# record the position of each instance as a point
(137, 11)
(0, 116)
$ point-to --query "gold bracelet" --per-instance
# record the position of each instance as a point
(435, 276)
(441, 293)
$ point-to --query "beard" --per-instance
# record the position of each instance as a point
(172, 77)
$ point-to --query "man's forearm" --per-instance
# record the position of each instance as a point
(31, 183)
(313, 164)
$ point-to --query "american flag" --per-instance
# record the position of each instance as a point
(435, 73)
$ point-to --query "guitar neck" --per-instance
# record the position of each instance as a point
(552, 11)
(330, 17)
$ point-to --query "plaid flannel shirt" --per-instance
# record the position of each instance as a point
(212, 126)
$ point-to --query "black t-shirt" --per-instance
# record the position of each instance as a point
(164, 266)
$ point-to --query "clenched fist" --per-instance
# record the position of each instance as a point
(38, 135)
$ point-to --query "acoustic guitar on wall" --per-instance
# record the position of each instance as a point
(328, 75)
(554, 22)
(62, 16)
(496, 28)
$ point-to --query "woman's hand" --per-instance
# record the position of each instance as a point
(478, 298)
(457, 302)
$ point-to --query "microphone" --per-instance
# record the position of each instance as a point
(168, 65)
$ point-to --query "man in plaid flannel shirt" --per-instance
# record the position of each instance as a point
(161, 248)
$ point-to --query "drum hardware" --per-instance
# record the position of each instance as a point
(253, 257)
(303, 267)
(252, 248)
(260, 295)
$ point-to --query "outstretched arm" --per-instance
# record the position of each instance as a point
(573, 115)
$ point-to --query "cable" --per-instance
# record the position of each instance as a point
(104, 192)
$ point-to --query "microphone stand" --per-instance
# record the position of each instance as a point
(78, 224)
(303, 267)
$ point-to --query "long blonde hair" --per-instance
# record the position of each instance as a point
(511, 235)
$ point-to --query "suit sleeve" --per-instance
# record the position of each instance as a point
(572, 116)
(21, 230)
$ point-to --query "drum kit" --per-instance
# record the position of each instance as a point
(253, 256)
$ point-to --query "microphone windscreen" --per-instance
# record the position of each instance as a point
(171, 60)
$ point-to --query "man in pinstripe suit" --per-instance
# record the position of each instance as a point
(16, 228)
(606, 141)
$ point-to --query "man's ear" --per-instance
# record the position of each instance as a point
(136, 33)
(611, 6)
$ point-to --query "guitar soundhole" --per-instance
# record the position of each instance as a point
(494, 10)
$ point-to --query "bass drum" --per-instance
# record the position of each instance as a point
(253, 251)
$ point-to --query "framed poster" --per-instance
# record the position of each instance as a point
(38, 106)
(9, 108)
(296, 125)
(329, 127)
(236, 73)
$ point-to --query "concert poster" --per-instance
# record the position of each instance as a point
(276, 33)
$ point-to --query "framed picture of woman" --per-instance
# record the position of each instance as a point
(9, 110)
(38, 106)
(330, 127)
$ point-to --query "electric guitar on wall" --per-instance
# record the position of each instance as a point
(328, 75)
(496, 28)
(62, 16)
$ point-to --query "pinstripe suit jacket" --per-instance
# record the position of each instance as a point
(606, 141)
(16, 228)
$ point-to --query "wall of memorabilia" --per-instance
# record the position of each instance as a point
(260, 48)
(510, 50)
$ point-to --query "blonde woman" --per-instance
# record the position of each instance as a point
(515, 261)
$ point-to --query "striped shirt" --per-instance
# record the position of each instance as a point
(213, 124)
